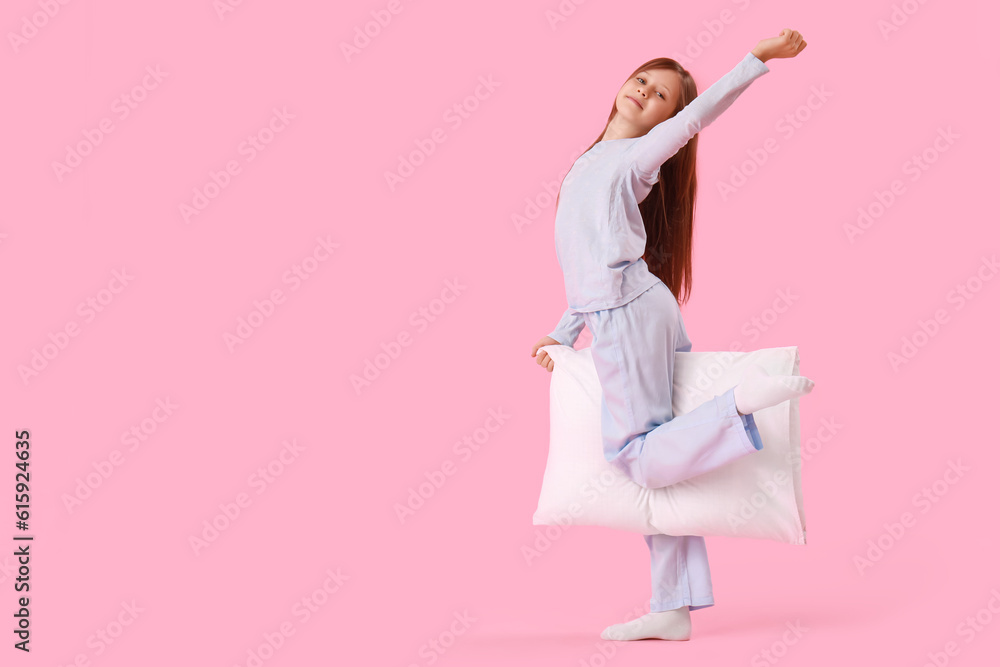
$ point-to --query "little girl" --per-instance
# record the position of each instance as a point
(623, 242)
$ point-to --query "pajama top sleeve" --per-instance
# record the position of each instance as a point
(569, 327)
(665, 139)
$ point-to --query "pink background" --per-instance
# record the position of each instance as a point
(331, 506)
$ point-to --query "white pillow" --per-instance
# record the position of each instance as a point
(758, 495)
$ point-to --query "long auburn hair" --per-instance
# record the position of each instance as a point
(668, 210)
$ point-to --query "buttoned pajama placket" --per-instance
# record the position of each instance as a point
(633, 350)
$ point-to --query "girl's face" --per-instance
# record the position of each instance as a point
(649, 98)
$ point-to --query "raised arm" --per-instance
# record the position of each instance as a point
(569, 328)
(664, 140)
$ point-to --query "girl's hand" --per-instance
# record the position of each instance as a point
(544, 360)
(788, 44)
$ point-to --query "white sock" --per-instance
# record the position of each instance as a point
(758, 389)
(674, 624)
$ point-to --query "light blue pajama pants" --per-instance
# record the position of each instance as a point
(633, 349)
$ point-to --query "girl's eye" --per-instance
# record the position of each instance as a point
(640, 80)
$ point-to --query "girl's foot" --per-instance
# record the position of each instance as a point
(674, 624)
(759, 390)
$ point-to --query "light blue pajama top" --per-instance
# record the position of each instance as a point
(600, 236)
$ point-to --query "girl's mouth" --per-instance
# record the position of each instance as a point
(634, 100)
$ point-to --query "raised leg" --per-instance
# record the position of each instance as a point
(633, 351)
